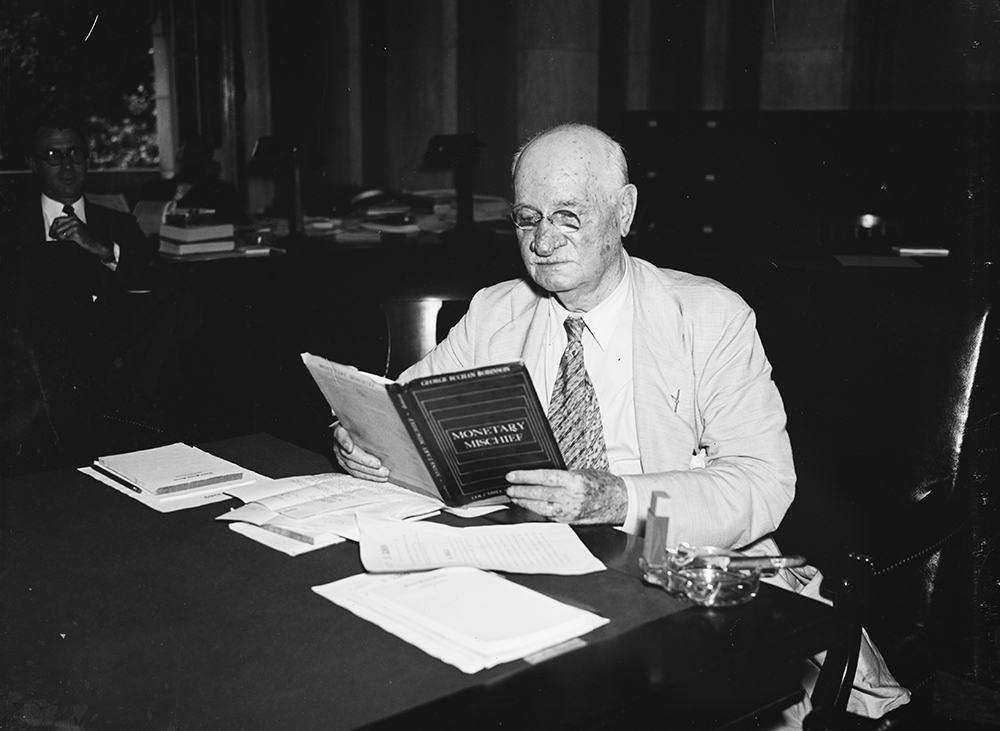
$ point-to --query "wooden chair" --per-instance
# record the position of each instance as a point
(416, 324)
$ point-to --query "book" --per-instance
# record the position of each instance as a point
(312, 508)
(190, 232)
(453, 436)
(920, 250)
(182, 248)
(168, 469)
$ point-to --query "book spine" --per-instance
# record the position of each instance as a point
(204, 482)
(419, 430)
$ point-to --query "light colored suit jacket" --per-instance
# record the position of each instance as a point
(700, 379)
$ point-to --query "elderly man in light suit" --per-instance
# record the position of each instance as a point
(686, 399)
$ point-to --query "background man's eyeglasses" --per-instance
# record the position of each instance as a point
(55, 158)
(527, 218)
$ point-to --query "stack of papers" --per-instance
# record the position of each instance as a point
(319, 510)
(466, 617)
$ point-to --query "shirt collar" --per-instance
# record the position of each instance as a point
(53, 209)
(603, 320)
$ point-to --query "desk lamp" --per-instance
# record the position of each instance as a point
(457, 153)
(283, 152)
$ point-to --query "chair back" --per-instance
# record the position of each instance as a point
(877, 371)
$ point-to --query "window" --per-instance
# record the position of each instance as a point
(96, 54)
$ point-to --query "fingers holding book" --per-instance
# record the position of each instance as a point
(578, 496)
(355, 460)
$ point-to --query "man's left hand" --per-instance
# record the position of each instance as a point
(71, 228)
(584, 496)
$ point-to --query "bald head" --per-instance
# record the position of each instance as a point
(605, 155)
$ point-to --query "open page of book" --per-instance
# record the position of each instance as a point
(309, 495)
(527, 548)
(363, 405)
(310, 508)
(344, 522)
(467, 617)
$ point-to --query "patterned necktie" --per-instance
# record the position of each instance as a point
(574, 413)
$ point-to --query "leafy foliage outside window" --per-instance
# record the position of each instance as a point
(94, 54)
(128, 141)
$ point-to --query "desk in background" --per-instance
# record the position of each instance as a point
(115, 616)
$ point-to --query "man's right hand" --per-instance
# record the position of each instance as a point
(355, 460)
(71, 228)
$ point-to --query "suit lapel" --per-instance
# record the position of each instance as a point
(662, 382)
(522, 337)
(32, 223)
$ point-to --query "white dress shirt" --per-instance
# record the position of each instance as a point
(607, 353)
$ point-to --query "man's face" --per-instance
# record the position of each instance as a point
(562, 172)
(62, 182)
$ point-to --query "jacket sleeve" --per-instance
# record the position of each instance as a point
(737, 490)
(137, 252)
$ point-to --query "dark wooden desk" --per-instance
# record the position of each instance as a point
(118, 617)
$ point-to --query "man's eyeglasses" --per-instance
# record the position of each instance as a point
(55, 158)
(527, 218)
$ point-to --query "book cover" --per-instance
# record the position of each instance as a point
(170, 468)
(197, 232)
(180, 248)
(453, 435)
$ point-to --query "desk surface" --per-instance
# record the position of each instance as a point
(115, 616)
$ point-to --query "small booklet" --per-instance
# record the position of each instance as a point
(168, 469)
(453, 436)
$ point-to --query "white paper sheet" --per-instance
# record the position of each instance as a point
(469, 618)
(529, 548)
(473, 511)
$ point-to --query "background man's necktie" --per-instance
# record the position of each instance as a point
(574, 413)
(68, 210)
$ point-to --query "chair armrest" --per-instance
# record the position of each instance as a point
(848, 587)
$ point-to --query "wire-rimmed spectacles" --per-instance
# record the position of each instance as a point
(527, 218)
(55, 157)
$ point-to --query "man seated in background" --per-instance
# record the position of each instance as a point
(655, 380)
(85, 333)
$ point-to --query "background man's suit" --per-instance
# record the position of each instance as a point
(75, 336)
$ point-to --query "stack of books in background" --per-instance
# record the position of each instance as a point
(195, 232)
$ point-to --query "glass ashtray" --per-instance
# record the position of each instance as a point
(703, 575)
